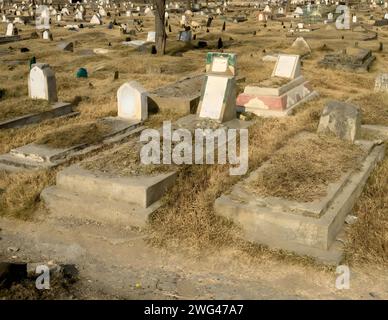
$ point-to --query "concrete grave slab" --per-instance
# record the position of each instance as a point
(58, 109)
(181, 96)
(304, 228)
(37, 156)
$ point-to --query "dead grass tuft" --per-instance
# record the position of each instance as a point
(74, 135)
(374, 107)
(368, 237)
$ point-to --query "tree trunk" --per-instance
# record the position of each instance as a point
(287, 7)
(159, 26)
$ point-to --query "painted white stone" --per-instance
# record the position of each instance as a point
(213, 97)
(95, 20)
(42, 83)
(132, 101)
(10, 30)
(218, 100)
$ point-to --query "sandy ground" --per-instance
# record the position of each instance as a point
(116, 262)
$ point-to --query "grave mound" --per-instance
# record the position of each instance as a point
(324, 161)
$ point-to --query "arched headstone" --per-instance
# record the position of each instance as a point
(132, 101)
(42, 83)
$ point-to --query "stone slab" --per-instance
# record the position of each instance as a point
(140, 190)
(64, 203)
(282, 229)
(257, 90)
(181, 96)
(34, 156)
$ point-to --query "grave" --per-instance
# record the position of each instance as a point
(306, 227)
(116, 187)
(280, 94)
(106, 194)
(350, 59)
(181, 96)
(58, 147)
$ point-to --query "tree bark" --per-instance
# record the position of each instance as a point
(159, 27)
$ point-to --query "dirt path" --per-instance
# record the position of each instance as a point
(118, 263)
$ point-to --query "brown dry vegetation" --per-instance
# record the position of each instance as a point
(303, 169)
(67, 136)
(187, 217)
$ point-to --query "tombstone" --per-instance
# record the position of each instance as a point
(301, 44)
(381, 83)
(79, 16)
(298, 11)
(151, 36)
(66, 46)
(42, 83)
(132, 101)
(274, 96)
(287, 66)
(10, 30)
(185, 36)
(341, 119)
(330, 16)
(218, 96)
(95, 20)
(47, 35)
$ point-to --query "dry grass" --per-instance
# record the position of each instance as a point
(19, 192)
(69, 136)
(11, 109)
(125, 161)
(303, 169)
(187, 218)
(368, 237)
(374, 107)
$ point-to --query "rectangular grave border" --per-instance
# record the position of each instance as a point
(280, 228)
(59, 109)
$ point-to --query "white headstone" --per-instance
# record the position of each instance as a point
(151, 36)
(218, 100)
(42, 83)
(10, 30)
(287, 66)
(95, 20)
(132, 101)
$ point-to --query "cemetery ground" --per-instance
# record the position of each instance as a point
(186, 251)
